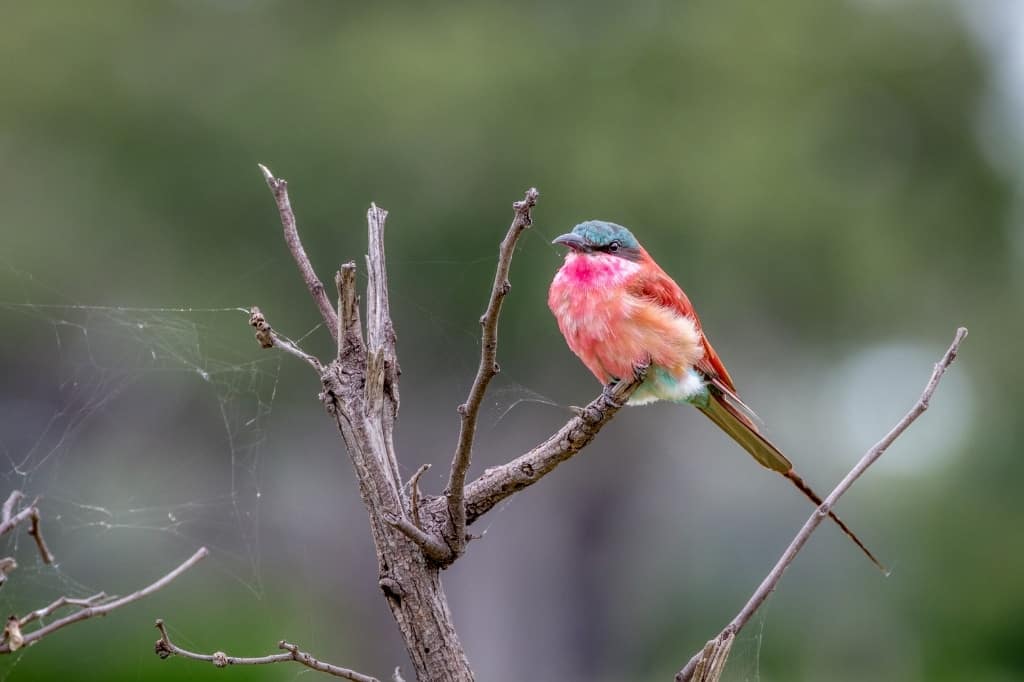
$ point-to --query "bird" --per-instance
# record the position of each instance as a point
(619, 310)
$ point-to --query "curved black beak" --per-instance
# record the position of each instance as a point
(572, 240)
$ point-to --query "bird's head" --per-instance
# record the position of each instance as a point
(597, 237)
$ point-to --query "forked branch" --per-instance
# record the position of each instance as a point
(713, 655)
(165, 648)
(488, 368)
(501, 482)
(10, 520)
(98, 605)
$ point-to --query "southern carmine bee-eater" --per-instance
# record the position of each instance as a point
(619, 310)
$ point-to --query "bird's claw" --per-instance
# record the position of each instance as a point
(608, 393)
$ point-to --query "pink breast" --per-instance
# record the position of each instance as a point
(590, 306)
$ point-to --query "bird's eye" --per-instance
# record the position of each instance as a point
(614, 245)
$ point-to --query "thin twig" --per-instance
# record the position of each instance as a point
(165, 648)
(37, 535)
(488, 368)
(105, 608)
(268, 338)
(279, 188)
(821, 513)
(44, 612)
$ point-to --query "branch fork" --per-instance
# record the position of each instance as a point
(97, 605)
(469, 410)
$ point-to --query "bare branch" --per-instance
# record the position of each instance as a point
(821, 513)
(501, 482)
(37, 535)
(279, 188)
(44, 612)
(434, 547)
(101, 609)
(166, 648)
(488, 368)
(268, 338)
(29, 513)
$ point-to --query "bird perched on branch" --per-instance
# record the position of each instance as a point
(619, 310)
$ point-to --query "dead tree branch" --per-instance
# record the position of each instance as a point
(501, 482)
(165, 648)
(488, 368)
(279, 188)
(61, 602)
(714, 653)
(98, 605)
(9, 521)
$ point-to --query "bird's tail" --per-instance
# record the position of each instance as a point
(731, 418)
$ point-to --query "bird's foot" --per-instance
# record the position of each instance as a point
(640, 371)
(608, 393)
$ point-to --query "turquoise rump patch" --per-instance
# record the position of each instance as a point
(661, 385)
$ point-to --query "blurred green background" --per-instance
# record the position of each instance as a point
(834, 183)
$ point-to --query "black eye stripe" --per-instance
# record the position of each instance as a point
(616, 248)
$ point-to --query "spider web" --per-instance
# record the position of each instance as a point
(98, 398)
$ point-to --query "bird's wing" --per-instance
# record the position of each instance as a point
(653, 284)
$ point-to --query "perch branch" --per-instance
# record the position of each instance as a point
(268, 338)
(98, 609)
(279, 188)
(711, 650)
(165, 648)
(522, 219)
(500, 482)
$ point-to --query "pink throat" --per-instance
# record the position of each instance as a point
(595, 270)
